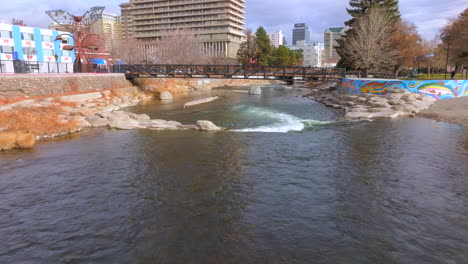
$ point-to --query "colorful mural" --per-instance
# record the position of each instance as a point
(439, 89)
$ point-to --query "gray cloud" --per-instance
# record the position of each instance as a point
(428, 15)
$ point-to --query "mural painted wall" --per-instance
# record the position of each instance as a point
(439, 89)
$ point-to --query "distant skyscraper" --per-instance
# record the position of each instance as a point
(300, 32)
(277, 39)
(331, 36)
(312, 53)
(285, 42)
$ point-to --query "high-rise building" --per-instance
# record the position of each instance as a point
(312, 53)
(219, 24)
(331, 36)
(108, 27)
(300, 32)
(277, 39)
(126, 20)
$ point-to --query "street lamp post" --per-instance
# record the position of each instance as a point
(447, 59)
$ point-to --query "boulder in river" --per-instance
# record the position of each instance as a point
(165, 96)
(255, 90)
(208, 126)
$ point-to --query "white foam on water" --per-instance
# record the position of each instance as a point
(285, 122)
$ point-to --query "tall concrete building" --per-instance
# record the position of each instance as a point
(300, 32)
(277, 39)
(331, 36)
(312, 53)
(109, 27)
(219, 24)
(126, 20)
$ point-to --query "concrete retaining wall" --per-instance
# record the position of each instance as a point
(439, 89)
(36, 85)
(31, 85)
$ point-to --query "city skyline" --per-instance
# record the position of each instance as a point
(319, 15)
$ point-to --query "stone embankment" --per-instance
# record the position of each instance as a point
(398, 102)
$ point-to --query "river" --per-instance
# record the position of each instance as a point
(288, 183)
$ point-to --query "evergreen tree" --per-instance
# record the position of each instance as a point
(360, 7)
(264, 46)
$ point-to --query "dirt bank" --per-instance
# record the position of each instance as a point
(448, 110)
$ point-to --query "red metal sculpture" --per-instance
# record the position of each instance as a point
(79, 26)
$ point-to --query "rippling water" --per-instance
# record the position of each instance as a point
(389, 191)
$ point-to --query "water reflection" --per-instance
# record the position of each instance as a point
(390, 191)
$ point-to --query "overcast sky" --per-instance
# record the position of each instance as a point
(428, 15)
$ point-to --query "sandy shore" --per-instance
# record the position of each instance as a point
(449, 110)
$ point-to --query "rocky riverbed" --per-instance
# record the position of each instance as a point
(73, 113)
(398, 102)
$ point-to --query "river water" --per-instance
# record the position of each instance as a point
(287, 184)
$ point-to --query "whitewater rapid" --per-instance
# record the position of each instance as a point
(282, 122)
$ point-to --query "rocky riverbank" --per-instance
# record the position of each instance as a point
(398, 102)
(22, 123)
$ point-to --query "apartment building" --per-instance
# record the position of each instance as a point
(219, 24)
(35, 48)
(109, 27)
(312, 53)
(277, 39)
(331, 36)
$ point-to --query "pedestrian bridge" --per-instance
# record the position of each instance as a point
(289, 74)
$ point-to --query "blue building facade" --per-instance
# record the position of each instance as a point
(36, 46)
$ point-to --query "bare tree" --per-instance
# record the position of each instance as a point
(455, 40)
(369, 46)
(175, 47)
(248, 50)
(178, 47)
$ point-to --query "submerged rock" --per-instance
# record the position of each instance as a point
(201, 101)
(255, 90)
(166, 96)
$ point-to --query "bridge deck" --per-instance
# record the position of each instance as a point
(231, 72)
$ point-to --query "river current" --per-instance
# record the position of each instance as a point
(287, 183)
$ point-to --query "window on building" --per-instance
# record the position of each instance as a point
(7, 49)
(29, 51)
(6, 34)
(47, 38)
(66, 53)
(65, 41)
(48, 52)
(27, 36)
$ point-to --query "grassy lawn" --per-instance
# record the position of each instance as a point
(437, 76)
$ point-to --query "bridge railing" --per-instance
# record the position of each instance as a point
(229, 71)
